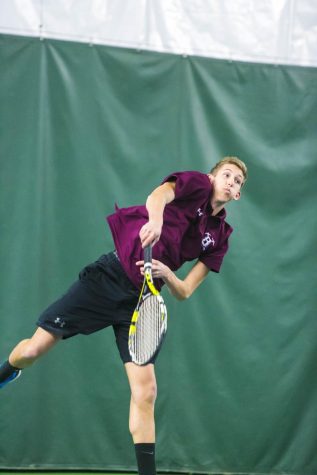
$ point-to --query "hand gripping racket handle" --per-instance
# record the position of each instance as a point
(148, 257)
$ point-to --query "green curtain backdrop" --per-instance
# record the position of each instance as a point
(83, 127)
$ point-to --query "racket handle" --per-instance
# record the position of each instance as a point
(148, 255)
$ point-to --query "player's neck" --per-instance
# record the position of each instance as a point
(216, 206)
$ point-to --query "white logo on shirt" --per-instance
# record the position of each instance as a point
(199, 212)
(207, 240)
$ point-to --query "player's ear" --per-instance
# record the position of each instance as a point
(211, 177)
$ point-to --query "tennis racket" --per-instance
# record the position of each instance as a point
(149, 320)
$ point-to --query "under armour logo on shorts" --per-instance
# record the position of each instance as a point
(59, 322)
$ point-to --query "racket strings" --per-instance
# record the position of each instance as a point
(150, 327)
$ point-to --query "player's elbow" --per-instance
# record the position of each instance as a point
(184, 293)
(187, 295)
(182, 297)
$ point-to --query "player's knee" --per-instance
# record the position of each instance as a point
(145, 394)
(150, 393)
(29, 352)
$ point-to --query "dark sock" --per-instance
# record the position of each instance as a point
(145, 456)
(6, 370)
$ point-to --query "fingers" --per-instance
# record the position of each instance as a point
(148, 241)
(140, 264)
(148, 238)
(157, 268)
(150, 233)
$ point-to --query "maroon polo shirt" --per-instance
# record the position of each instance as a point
(189, 231)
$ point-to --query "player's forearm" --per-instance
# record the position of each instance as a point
(177, 287)
(181, 289)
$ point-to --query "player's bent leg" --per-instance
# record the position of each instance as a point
(25, 353)
(29, 350)
(141, 422)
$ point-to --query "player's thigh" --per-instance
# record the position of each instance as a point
(42, 340)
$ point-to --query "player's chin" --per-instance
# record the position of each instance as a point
(227, 197)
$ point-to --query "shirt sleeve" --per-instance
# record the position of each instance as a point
(190, 185)
(213, 259)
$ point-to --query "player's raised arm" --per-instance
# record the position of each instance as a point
(162, 195)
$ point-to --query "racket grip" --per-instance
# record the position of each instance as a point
(148, 255)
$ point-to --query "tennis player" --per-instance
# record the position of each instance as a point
(184, 220)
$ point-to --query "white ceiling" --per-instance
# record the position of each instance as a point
(273, 31)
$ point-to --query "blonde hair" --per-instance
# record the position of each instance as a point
(234, 161)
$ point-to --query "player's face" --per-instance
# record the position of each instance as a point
(228, 182)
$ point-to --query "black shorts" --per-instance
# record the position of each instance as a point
(103, 296)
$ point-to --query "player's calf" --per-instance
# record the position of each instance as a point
(25, 353)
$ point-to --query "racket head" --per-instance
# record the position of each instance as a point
(148, 329)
